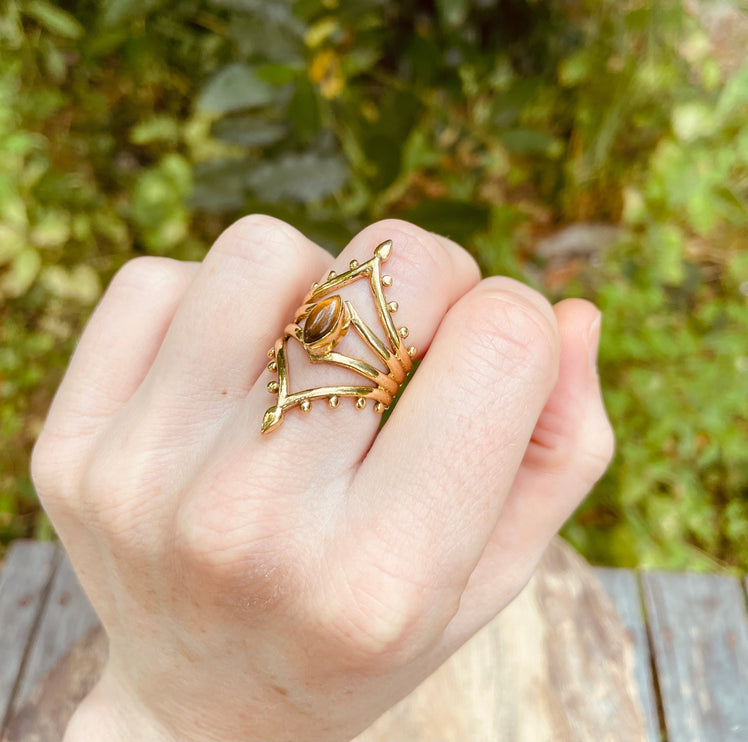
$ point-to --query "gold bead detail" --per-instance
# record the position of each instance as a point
(403, 332)
(331, 275)
(360, 403)
(353, 265)
(386, 280)
(412, 350)
(271, 353)
(272, 366)
(379, 408)
(334, 401)
(273, 387)
(306, 405)
(393, 306)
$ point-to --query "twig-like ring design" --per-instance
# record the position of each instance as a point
(320, 324)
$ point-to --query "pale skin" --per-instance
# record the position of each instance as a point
(296, 585)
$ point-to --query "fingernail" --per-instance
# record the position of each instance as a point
(593, 341)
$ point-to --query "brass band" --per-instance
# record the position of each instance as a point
(320, 324)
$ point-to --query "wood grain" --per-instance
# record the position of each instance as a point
(46, 712)
(699, 633)
(622, 586)
(24, 581)
(67, 617)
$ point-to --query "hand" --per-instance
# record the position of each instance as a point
(297, 584)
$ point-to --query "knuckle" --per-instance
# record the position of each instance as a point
(49, 470)
(148, 275)
(374, 615)
(418, 251)
(262, 241)
(247, 567)
(507, 325)
(376, 629)
(41, 466)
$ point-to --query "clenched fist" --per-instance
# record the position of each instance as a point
(295, 585)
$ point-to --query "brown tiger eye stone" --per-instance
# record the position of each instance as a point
(322, 319)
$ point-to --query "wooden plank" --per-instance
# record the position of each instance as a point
(67, 617)
(622, 586)
(25, 577)
(699, 631)
(46, 714)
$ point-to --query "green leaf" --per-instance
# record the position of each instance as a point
(53, 230)
(80, 283)
(298, 177)
(236, 87)
(734, 95)
(276, 13)
(576, 69)
(158, 203)
(155, 129)
(255, 38)
(530, 142)
(278, 74)
(668, 244)
(693, 121)
(11, 243)
(248, 131)
(453, 13)
(54, 19)
(634, 206)
(702, 206)
(304, 111)
(23, 272)
(509, 104)
(116, 12)
(738, 267)
(219, 185)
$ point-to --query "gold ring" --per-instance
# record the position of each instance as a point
(321, 322)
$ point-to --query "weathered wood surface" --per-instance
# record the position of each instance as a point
(67, 617)
(622, 587)
(23, 587)
(568, 661)
(47, 710)
(699, 632)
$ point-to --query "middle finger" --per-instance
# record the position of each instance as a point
(428, 275)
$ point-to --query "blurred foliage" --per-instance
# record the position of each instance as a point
(141, 126)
